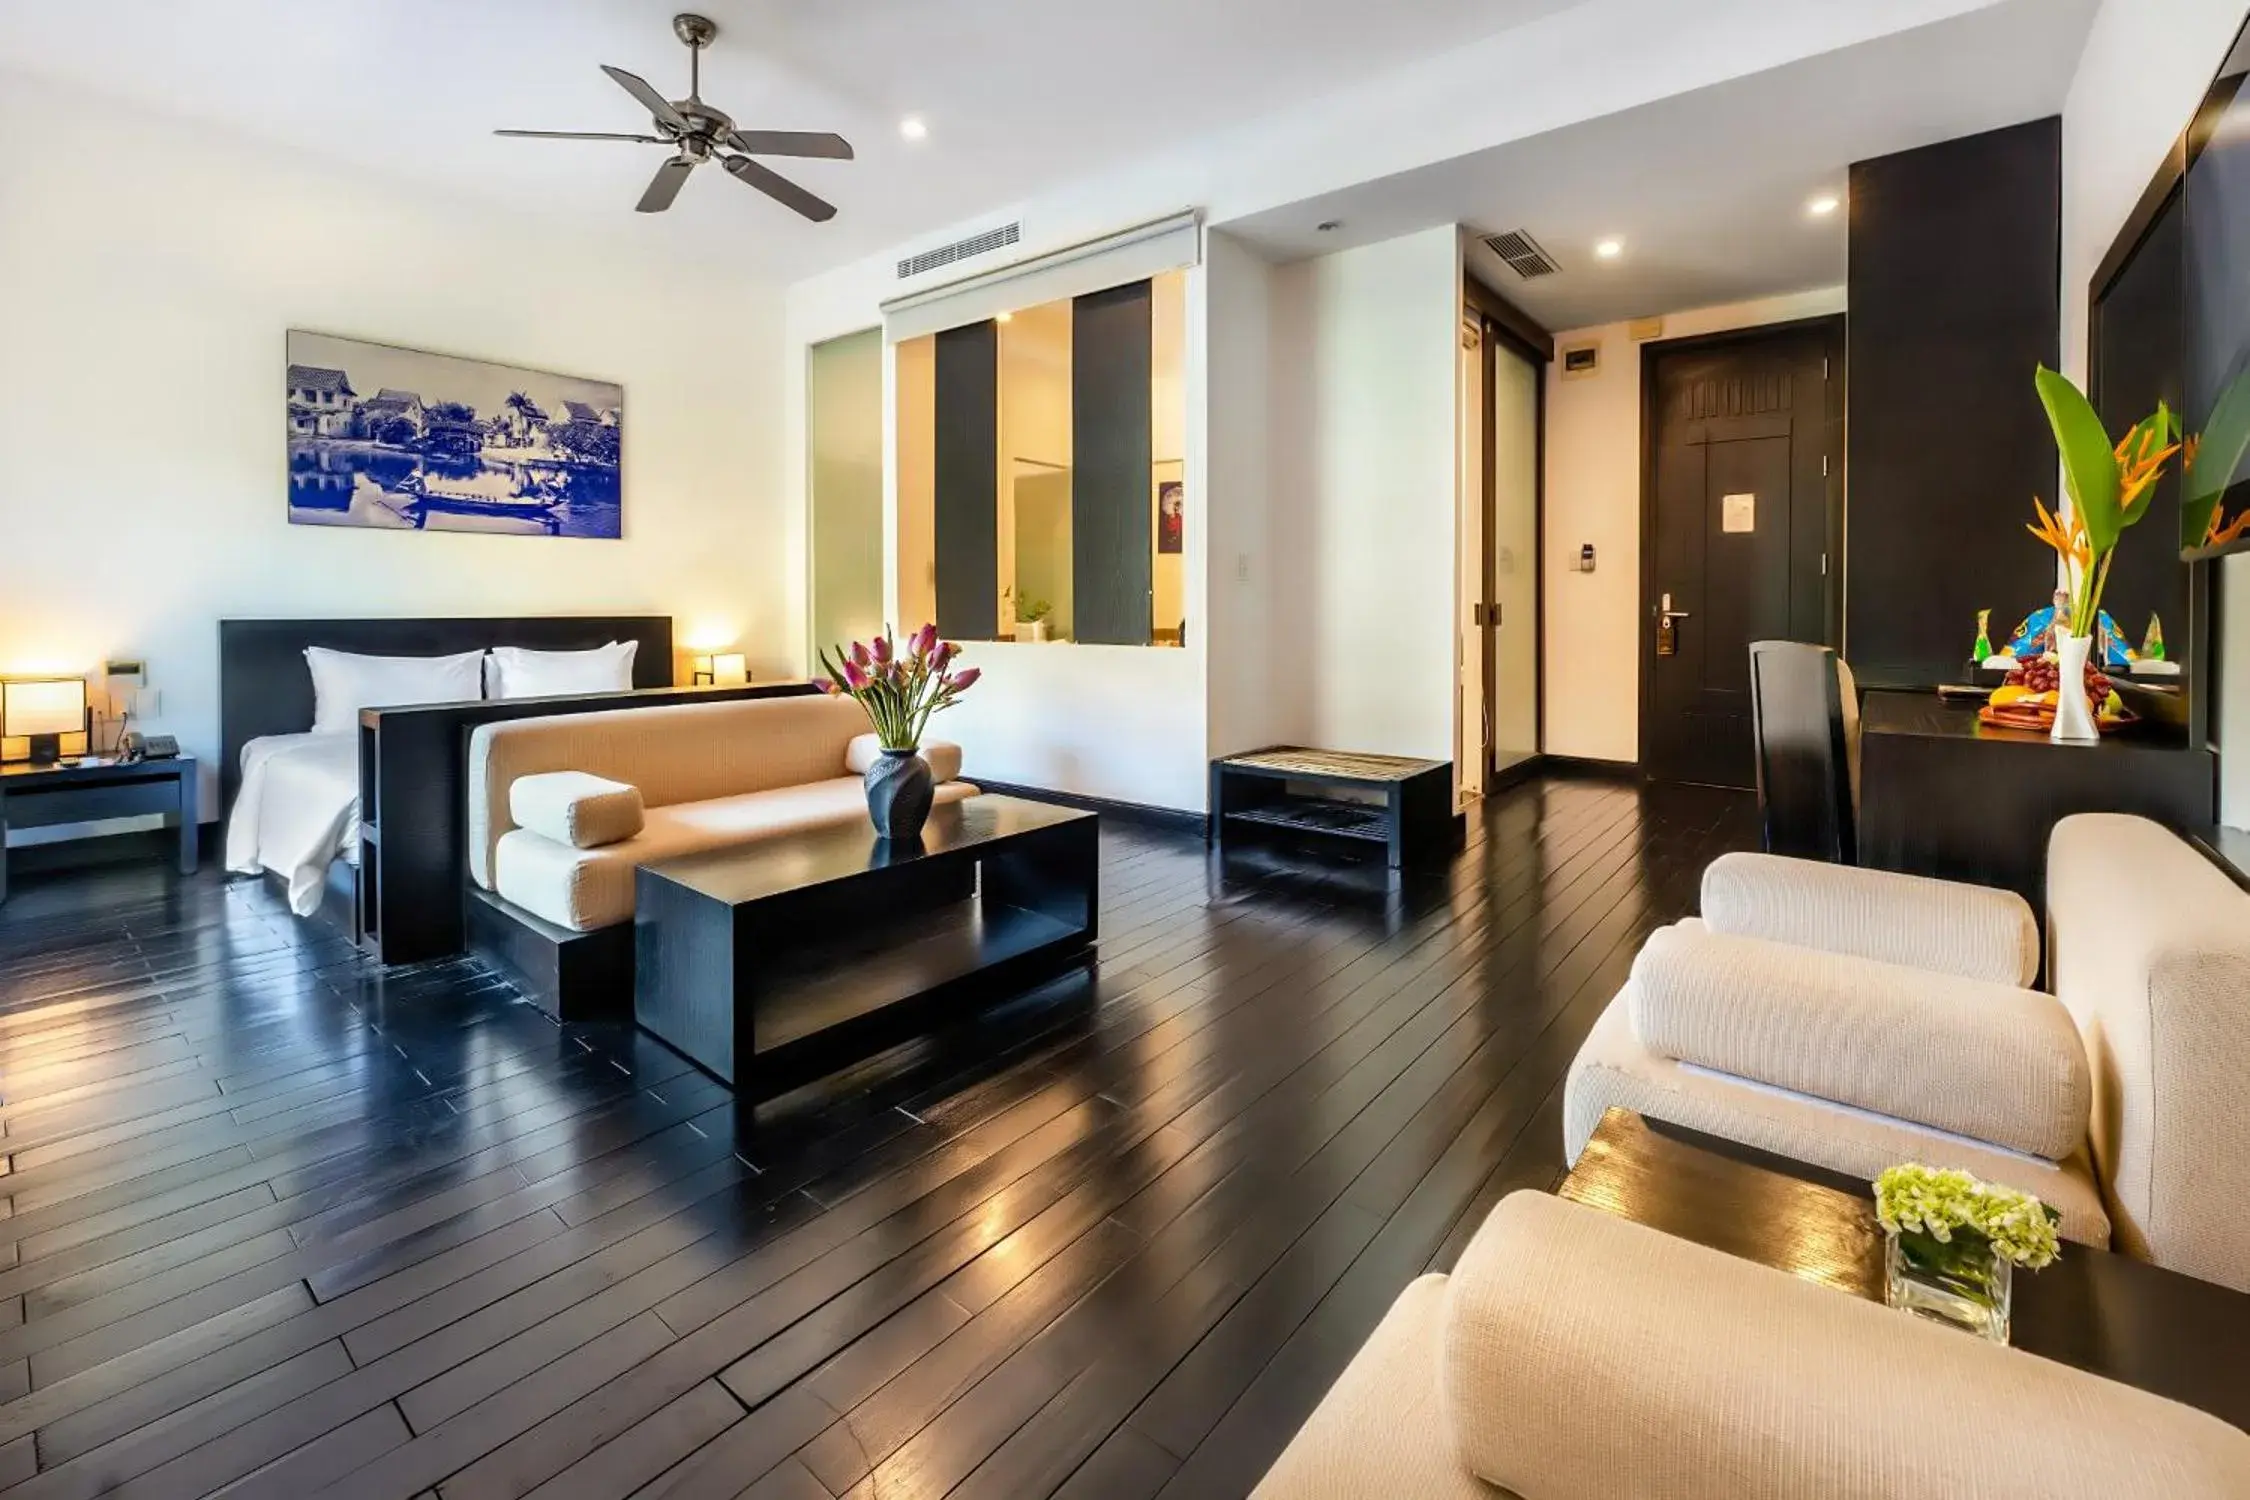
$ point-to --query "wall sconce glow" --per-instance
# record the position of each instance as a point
(1610, 249)
(914, 128)
(1822, 206)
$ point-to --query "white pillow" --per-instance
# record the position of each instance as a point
(518, 673)
(343, 683)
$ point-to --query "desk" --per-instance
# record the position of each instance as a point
(41, 796)
(2108, 1314)
(1945, 795)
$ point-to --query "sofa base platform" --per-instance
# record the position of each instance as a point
(572, 976)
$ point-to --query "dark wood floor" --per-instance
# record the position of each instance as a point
(279, 1221)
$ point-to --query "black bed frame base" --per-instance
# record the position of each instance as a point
(572, 976)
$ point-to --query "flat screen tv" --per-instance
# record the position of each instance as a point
(2215, 303)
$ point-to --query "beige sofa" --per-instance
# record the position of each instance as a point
(1576, 1356)
(562, 811)
(1856, 1019)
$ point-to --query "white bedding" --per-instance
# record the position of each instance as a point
(297, 811)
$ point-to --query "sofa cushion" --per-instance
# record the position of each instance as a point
(1985, 1060)
(1380, 1431)
(1586, 1355)
(2149, 947)
(583, 889)
(942, 756)
(574, 808)
(1967, 930)
(1614, 1069)
(689, 752)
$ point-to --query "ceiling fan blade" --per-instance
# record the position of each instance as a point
(665, 185)
(780, 189)
(655, 103)
(819, 143)
(583, 135)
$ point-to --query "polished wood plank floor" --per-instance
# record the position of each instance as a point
(282, 1224)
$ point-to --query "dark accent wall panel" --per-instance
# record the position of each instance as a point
(1112, 504)
(967, 465)
(1954, 298)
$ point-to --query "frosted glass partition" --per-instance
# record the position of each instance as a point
(844, 413)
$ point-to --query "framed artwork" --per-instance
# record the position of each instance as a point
(1171, 522)
(401, 440)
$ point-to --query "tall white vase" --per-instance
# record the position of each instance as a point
(2074, 717)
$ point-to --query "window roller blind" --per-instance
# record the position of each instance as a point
(1133, 255)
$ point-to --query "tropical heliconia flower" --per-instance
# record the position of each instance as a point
(899, 690)
(1914, 1199)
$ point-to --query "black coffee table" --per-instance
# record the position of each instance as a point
(763, 962)
(2118, 1317)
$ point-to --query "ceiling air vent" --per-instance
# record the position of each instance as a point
(1521, 252)
(960, 250)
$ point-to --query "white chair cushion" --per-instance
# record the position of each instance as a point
(1614, 1069)
(1967, 930)
(574, 808)
(1586, 1355)
(1984, 1060)
(583, 889)
(1380, 1432)
(2149, 947)
(943, 757)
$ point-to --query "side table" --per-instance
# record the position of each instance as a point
(33, 796)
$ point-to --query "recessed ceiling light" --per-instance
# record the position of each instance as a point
(1610, 249)
(913, 128)
(1822, 206)
(1003, 317)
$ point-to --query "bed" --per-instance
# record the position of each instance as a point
(292, 797)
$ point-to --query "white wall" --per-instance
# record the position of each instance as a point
(1365, 485)
(1591, 679)
(2146, 65)
(1247, 711)
(147, 276)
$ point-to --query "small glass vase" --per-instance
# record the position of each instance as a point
(1962, 1283)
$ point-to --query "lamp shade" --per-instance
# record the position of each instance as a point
(43, 707)
(730, 668)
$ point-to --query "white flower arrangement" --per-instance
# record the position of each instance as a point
(1915, 1199)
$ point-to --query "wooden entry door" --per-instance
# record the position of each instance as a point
(1740, 509)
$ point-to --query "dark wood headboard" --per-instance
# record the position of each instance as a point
(266, 688)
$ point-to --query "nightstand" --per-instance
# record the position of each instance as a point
(34, 796)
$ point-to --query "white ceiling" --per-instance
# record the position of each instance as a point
(1708, 189)
(1018, 94)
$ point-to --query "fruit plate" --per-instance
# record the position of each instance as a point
(2040, 717)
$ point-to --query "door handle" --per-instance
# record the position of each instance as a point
(1667, 628)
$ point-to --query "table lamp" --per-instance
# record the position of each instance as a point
(43, 710)
(721, 668)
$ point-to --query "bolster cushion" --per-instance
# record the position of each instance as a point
(1587, 1355)
(574, 808)
(1969, 930)
(944, 759)
(1991, 1061)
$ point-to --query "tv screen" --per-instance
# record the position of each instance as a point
(2215, 493)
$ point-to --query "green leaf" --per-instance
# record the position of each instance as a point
(2089, 463)
(2156, 430)
(2226, 436)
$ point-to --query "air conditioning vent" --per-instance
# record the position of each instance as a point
(1521, 252)
(960, 250)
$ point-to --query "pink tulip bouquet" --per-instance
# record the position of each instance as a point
(900, 686)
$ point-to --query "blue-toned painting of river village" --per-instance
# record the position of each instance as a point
(409, 441)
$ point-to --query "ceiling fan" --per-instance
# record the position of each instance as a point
(697, 133)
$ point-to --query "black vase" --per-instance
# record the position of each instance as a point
(899, 793)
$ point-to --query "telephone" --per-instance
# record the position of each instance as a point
(139, 747)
